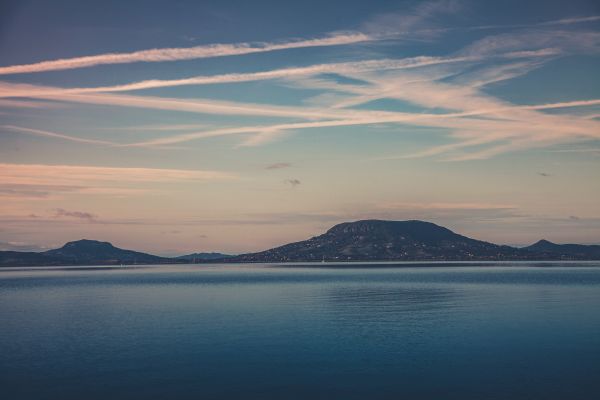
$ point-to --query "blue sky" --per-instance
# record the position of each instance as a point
(236, 126)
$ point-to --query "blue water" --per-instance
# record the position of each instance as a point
(509, 331)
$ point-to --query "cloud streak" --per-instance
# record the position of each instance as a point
(279, 165)
(388, 26)
(54, 135)
(481, 124)
(466, 100)
(203, 106)
(184, 53)
(425, 119)
(293, 182)
(22, 184)
(61, 212)
(15, 90)
(39, 174)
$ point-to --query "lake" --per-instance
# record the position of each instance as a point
(359, 331)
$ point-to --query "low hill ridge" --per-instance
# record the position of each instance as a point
(364, 240)
(577, 251)
(370, 240)
(87, 251)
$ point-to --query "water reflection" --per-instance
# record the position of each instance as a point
(384, 313)
(255, 332)
(391, 299)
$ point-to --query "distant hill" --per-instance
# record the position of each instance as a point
(92, 251)
(565, 251)
(367, 240)
(203, 257)
(81, 252)
(27, 258)
(371, 240)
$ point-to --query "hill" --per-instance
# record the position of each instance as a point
(87, 252)
(27, 258)
(565, 251)
(371, 240)
(367, 240)
(81, 252)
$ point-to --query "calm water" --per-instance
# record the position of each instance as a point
(514, 331)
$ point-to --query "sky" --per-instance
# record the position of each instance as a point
(234, 126)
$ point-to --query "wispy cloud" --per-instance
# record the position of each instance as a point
(160, 127)
(481, 125)
(466, 100)
(24, 191)
(590, 150)
(562, 21)
(16, 90)
(184, 53)
(419, 91)
(82, 215)
(37, 184)
(4, 103)
(573, 20)
(418, 23)
(567, 41)
(279, 165)
(446, 206)
(380, 27)
(31, 91)
(44, 192)
(339, 68)
(66, 176)
(205, 106)
(450, 120)
(293, 182)
(54, 135)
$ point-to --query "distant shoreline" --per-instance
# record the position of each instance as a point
(449, 263)
(364, 241)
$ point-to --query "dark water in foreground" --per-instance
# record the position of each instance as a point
(515, 331)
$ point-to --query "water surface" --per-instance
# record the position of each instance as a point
(468, 331)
